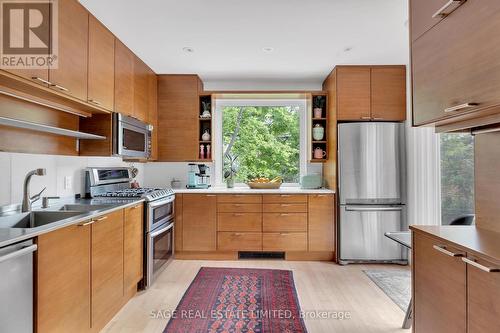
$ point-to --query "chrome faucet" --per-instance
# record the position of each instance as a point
(27, 200)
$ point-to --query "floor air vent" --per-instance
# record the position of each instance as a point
(261, 255)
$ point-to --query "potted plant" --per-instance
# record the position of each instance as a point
(318, 104)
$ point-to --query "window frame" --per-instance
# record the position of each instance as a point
(217, 132)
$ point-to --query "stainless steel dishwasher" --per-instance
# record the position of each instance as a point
(16, 287)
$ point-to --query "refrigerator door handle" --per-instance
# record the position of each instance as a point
(373, 209)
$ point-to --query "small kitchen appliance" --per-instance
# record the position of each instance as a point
(198, 176)
(131, 137)
(114, 184)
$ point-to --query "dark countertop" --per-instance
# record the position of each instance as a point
(481, 242)
(13, 235)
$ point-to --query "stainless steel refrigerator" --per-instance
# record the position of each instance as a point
(372, 191)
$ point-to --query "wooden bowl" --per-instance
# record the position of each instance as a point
(264, 186)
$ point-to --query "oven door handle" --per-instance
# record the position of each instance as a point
(161, 231)
(155, 204)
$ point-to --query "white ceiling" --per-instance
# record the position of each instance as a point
(309, 37)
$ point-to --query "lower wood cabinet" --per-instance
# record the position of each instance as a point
(107, 267)
(239, 241)
(321, 214)
(63, 280)
(284, 241)
(87, 272)
(199, 230)
(285, 222)
(239, 222)
(133, 242)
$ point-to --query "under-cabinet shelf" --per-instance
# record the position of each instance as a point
(48, 129)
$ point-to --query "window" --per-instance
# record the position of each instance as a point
(268, 140)
(457, 176)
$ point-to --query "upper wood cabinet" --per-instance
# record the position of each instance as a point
(107, 268)
(456, 66)
(63, 280)
(141, 86)
(70, 76)
(199, 222)
(368, 93)
(132, 247)
(153, 112)
(101, 72)
(439, 277)
(321, 222)
(423, 15)
(178, 117)
(124, 79)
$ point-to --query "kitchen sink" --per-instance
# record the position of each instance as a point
(35, 219)
(83, 208)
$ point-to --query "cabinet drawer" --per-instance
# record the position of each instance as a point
(284, 241)
(239, 198)
(239, 241)
(446, 85)
(239, 208)
(239, 222)
(281, 222)
(285, 208)
(284, 198)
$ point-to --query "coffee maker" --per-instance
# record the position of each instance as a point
(198, 176)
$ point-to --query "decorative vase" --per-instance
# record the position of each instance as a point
(202, 152)
(318, 113)
(206, 114)
(206, 135)
(318, 132)
(209, 152)
(230, 182)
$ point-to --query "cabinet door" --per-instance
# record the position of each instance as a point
(439, 277)
(101, 80)
(483, 293)
(124, 79)
(107, 268)
(70, 76)
(63, 280)
(353, 93)
(421, 15)
(153, 112)
(178, 117)
(141, 85)
(457, 63)
(321, 226)
(388, 93)
(199, 222)
(133, 246)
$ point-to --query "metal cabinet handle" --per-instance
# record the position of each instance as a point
(474, 263)
(237, 214)
(365, 118)
(378, 118)
(86, 223)
(59, 87)
(283, 234)
(285, 205)
(285, 195)
(284, 214)
(237, 234)
(210, 195)
(448, 8)
(36, 78)
(135, 207)
(442, 249)
(93, 101)
(100, 219)
(18, 253)
(460, 107)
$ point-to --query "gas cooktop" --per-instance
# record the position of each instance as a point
(149, 194)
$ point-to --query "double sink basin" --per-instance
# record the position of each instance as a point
(37, 219)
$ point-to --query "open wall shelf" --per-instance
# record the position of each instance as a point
(319, 120)
(205, 152)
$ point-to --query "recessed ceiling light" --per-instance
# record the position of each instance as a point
(188, 49)
(347, 49)
(268, 49)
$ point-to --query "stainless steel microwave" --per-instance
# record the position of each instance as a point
(131, 137)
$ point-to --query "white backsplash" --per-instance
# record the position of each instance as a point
(14, 166)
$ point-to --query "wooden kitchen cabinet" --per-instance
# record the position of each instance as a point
(239, 241)
(124, 79)
(321, 226)
(422, 16)
(133, 242)
(284, 241)
(153, 112)
(70, 76)
(199, 222)
(369, 93)
(63, 280)
(439, 277)
(483, 295)
(107, 267)
(449, 88)
(141, 86)
(178, 117)
(101, 70)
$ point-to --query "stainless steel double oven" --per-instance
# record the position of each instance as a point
(159, 234)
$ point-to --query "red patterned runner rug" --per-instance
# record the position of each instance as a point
(239, 300)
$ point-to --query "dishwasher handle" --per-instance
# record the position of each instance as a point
(19, 253)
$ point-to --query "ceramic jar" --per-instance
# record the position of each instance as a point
(206, 135)
(318, 132)
(318, 113)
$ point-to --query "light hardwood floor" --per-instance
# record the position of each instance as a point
(321, 286)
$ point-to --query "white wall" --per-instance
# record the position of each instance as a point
(14, 166)
(270, 85)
